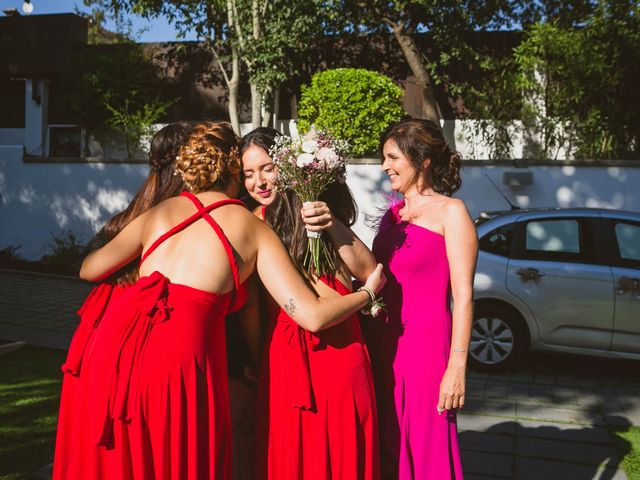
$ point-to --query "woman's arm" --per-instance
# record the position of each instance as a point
(354, 253)
(462, 249)
(123, 249)
(289, 290)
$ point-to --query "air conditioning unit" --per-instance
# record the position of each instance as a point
(66, 141)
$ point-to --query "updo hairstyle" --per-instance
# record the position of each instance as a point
(419, 140)
(209, 160)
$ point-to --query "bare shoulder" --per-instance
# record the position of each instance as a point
(456, 217)
(239, 216)
(454, 208)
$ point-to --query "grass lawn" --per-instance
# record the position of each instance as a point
(631, 462)
(29, 394)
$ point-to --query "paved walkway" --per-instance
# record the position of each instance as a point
(548, 418)
(40, 309)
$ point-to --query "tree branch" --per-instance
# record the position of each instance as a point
(233, 15)
(255, 14)
(224, 72)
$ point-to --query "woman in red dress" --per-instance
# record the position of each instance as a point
(158, 186)
(156, 400)
(316, 409)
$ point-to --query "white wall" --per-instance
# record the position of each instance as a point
(553, 186)
(12, 136)
(38, 200)
(35, 115)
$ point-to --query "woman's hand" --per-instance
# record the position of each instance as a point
(317, 216)
(452, 388)
(356, 256)
(376, 279)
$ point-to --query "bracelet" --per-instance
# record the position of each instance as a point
(372, 296)
(461, 350)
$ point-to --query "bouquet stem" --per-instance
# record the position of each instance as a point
(316, 251)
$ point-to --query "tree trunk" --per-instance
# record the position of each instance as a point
(414, 59)
(256, 97)
(266, 116)
(256, 107)
(276, 106)
(234, 84)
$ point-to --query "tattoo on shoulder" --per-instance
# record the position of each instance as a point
(290, 307)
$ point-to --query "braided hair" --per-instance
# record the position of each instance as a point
(209, 159)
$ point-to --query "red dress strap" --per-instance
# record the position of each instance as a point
(203, 212)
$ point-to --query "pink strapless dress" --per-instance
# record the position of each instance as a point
(409, 350)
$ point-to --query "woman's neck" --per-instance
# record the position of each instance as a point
(415, 196)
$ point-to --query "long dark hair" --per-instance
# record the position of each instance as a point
(283, 215)
(419, 140)
(161, 182)
(263, 137)
(159, 185)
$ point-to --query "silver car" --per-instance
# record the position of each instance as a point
(564, 280)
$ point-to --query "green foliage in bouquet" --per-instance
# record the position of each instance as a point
(351, 104)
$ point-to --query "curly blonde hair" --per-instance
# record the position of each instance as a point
(210, 158)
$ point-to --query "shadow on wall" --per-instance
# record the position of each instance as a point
(42, 200)
(562, 186)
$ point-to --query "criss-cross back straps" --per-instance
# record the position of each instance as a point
(203, 212)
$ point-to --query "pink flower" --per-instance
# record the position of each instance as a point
(328, 156)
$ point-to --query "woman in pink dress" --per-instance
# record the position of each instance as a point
(155, 403)
(428, 245)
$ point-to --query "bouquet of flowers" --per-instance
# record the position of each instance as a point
(307, 166)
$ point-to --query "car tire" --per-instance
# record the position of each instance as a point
(497, 337)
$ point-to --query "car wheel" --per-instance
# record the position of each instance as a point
(497, 337)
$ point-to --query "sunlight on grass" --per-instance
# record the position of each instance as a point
(29, 395)
(631, 462)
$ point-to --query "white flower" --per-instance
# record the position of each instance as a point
(312, 134)
(304, 159)
(328, 156)
(309, 146)
(376, 308)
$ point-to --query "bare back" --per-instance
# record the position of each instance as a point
(196, 256)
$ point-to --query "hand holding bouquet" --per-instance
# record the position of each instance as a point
(307, 166)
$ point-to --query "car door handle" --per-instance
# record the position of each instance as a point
(527, 274)
(628, 284)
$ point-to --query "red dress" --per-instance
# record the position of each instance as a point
(317, 415)
(148, 397)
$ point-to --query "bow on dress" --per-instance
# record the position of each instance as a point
(298, 385)
(90, 314)
(149, 306)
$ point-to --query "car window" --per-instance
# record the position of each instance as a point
(628, 239)
(553, 236)
(498, 241)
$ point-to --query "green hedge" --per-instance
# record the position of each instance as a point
(352, 104)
